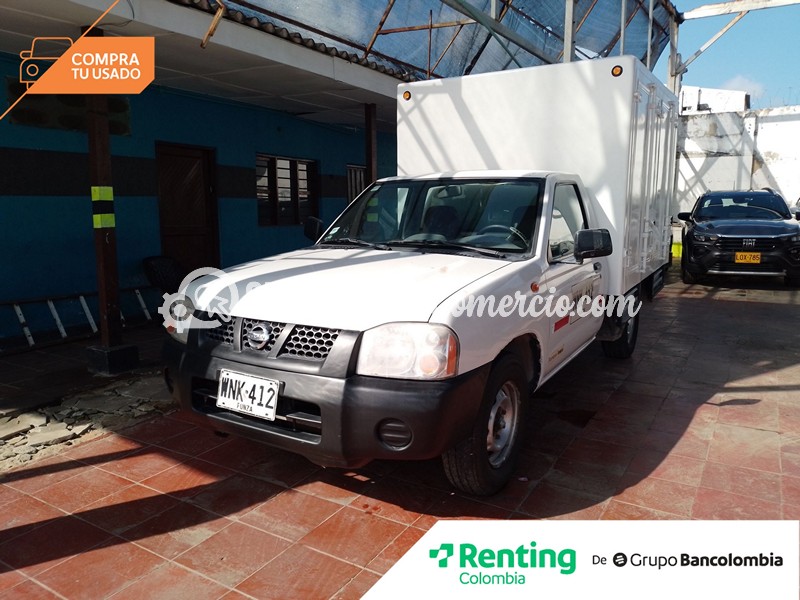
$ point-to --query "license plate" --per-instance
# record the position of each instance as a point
(249, 395)
(750, 258)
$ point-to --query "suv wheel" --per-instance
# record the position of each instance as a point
(483, 463)
(686, 276)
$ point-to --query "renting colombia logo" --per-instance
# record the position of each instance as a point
(501, 566)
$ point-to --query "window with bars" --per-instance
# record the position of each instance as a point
(356, 181)
(284, 190)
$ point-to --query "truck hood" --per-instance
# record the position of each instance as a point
(353, 289)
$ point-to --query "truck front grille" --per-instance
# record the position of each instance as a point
(222, 334)
(270, 337)
(313, 343)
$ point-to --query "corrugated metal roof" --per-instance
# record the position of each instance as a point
(296, 37)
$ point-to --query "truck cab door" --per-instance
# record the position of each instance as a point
(569, 280)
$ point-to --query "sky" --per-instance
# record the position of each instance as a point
(758, 55)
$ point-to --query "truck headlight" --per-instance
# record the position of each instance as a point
(408, 351)
(178, 313)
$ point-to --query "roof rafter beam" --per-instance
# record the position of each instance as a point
(426, 27)
(378, 29)
(736, 6)
(498, 29)
(450, 43)
(620, 35)
(497, 17)
(684, 65)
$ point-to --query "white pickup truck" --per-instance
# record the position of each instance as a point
(422, 319)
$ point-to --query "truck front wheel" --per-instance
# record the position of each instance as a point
(483, 463)
(623, 346)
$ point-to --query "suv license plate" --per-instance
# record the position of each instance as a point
(750, 258)
(249, 395)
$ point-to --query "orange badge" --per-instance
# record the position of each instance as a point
(92, 65)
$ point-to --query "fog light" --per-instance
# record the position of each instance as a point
(394, 434)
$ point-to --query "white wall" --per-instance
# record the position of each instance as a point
(704, 100)
(738, 150)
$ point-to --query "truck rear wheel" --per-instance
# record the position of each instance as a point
(624, 346)
(483, 463)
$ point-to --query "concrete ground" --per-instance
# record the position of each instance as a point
(702, 423)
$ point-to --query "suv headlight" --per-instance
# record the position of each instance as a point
(704, 237)
(409, 351)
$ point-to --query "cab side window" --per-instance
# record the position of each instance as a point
(568, 217)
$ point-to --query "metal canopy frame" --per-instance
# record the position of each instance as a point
(677, 67)
(496, 34)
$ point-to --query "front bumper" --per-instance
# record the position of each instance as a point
(719, 258)
(333, 421)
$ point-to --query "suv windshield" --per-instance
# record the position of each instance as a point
(741, 205)
(444, 214)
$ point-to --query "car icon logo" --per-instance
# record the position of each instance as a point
(43, 53)
(258, 336)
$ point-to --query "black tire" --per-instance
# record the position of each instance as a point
(624, 346)
(483, 464)
(687, 277)
(790, 281)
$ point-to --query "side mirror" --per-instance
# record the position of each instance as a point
(684, 216)
(313, 228)
(797, 215)
(590, 243)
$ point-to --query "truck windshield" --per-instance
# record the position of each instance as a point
(443, 214)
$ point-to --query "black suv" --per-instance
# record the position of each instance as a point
(741, 233)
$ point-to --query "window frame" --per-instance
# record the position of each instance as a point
(568, 257)
(356, 181)
(271, 194)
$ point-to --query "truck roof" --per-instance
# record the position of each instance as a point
(479, 174)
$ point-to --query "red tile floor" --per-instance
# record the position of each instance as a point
(702, 423)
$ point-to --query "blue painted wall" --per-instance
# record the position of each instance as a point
(46, 242)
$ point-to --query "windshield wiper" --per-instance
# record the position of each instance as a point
(443, 245)
(348, 241)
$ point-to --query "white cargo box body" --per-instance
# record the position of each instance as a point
(608, 120)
